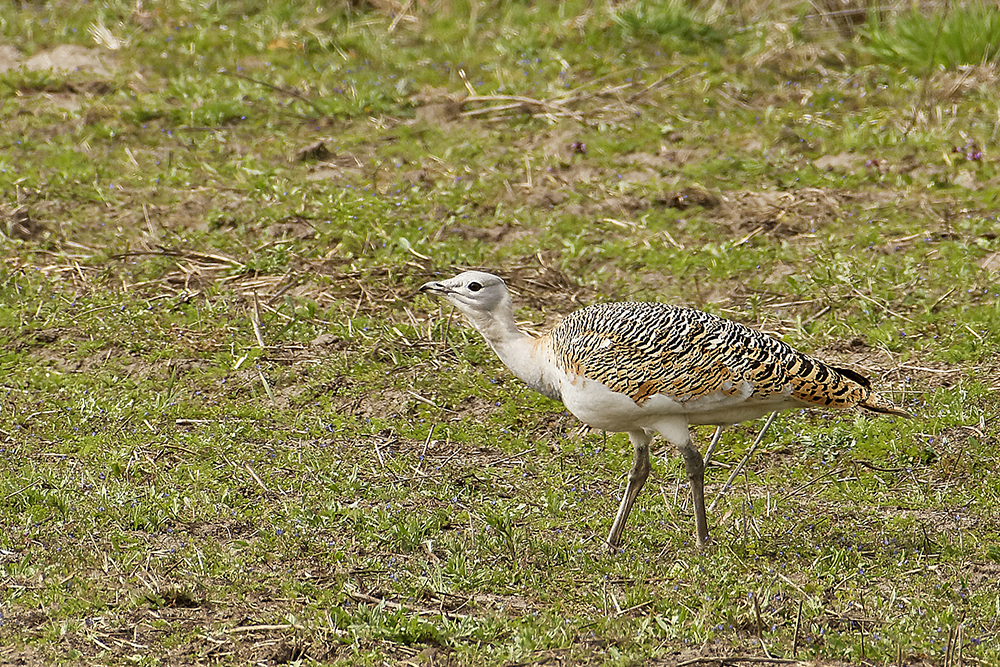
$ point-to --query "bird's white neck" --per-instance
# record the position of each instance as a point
(527, 357)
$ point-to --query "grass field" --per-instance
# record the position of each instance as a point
(233, 433)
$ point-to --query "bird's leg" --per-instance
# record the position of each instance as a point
(636, 478)
(708, 457)
(695, 466)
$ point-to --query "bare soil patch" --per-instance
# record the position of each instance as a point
(62, 58)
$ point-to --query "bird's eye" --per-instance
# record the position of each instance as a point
(475, 287)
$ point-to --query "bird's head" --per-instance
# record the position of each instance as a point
(480, 296)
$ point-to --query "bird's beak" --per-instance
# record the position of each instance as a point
(434, 288)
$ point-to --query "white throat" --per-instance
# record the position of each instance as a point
(525, 356)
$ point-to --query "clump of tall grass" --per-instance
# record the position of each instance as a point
(956, 37)
(674, 22)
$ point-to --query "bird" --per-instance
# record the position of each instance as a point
(647, 368)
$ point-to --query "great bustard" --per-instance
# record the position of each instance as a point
(645, 368)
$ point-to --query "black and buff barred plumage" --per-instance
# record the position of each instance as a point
(646, 368)
(644, 349)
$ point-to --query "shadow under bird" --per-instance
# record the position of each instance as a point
(646, 368)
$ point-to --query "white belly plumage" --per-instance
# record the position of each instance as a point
(598, 406)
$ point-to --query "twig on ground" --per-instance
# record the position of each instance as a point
(512, 456)
(736, 658)
(267, 385)
(636, 607)
(795, 635)
(519, 101)
(362, 597)
(400, 15)
(256, 478)
(207, 258)
(263, 628)
(743, 462)
(883, 307)
(803, 487)
(278, 89)
(19, 491)
(255, 321)
(656, 84)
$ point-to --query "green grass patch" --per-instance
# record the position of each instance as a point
(956, 37)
